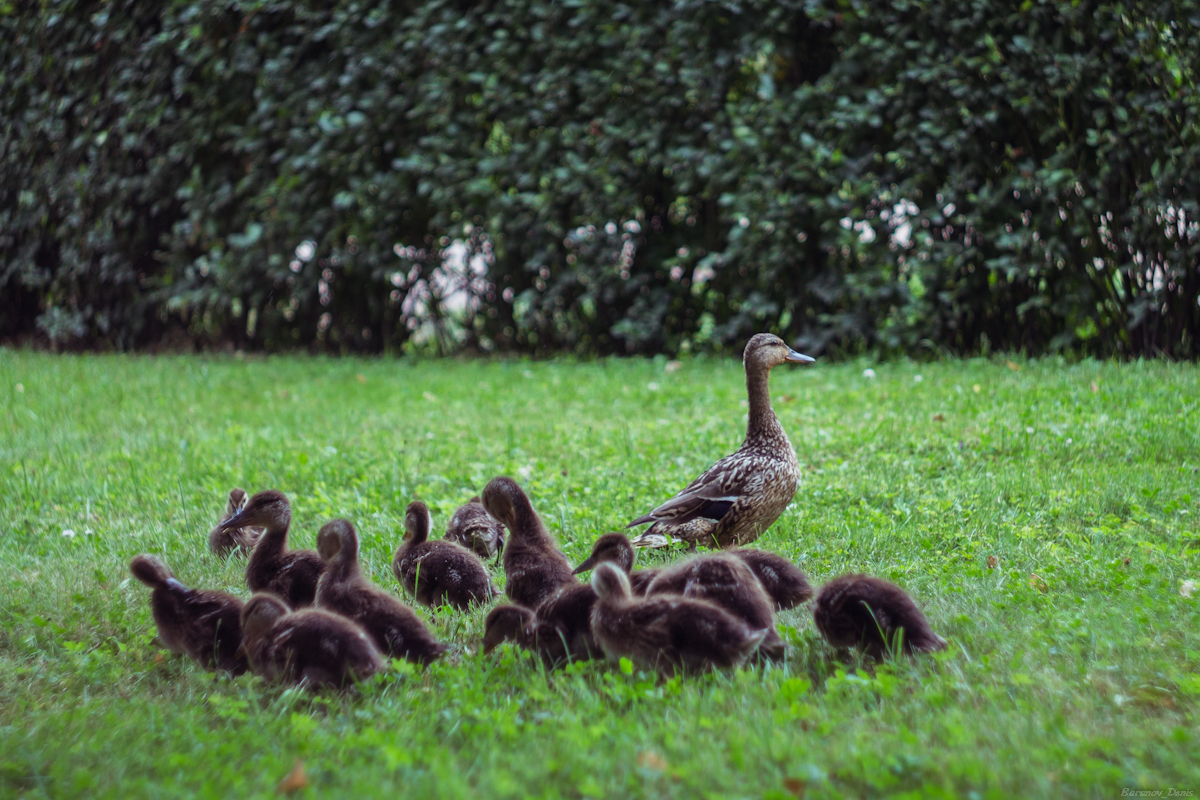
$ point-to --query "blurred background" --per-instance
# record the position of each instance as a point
(592, 177)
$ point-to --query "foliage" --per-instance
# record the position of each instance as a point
(602, 177)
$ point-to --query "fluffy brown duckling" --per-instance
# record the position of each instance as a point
(615, 548)
(872, 614)
(310, 647)
(783, 581)
(559, 630)
(533, 565)
(726, 581)
(475, 529)
(291, 574)
(393, 626)
(438, 572)
(223, 541)
(666, 632)
(204, 624)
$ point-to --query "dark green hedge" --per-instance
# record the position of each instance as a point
(632, 177)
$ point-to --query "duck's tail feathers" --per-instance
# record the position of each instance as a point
(930, 645)
(651, 540)
(641, 520)
(150, 570)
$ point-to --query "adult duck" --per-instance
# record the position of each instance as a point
(743, 494)
(291, 574)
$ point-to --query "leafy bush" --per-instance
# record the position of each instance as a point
(601, 177)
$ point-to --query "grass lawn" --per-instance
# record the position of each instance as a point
(1044, 514)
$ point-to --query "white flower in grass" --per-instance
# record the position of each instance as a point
(1187, 588)
(652, 386)
(68, 533)
(1029, 430)
(918, 378)
(869, 374)
(525, 472)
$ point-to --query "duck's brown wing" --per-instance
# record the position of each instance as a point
(709, 496)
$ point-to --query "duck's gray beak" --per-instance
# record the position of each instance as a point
(798, 358)
(584, 566)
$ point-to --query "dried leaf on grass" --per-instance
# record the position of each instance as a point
(648, 759)
(295, 780)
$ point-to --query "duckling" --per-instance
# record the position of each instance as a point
(743, 494)
(559, 630)
(783, 581)
(726, 581)
(509, 623)
(222, 541)
(473, 528)
(310, 647)
(394, 627)
(438, 572)
(666, 632)
(871, 613)
(615, 548)
(291, 574)
(205, 625)
(533, 565)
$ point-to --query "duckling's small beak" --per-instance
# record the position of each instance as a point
(584, 566)
(489, 647)
(798, 358)
(233, 522)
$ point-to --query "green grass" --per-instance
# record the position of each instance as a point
(1078, 682)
